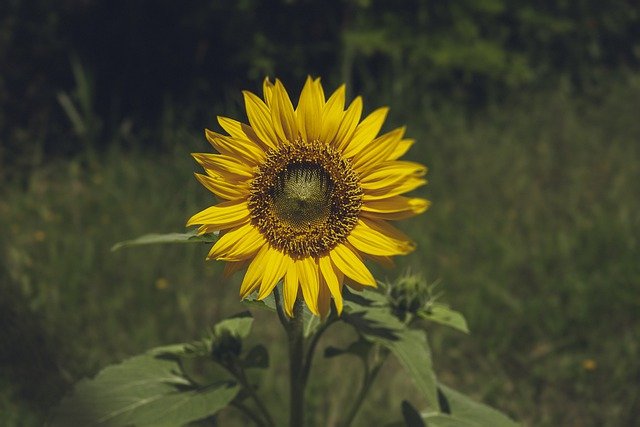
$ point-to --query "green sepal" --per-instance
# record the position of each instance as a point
(156, 238)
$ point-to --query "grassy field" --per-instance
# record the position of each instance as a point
(534, 233)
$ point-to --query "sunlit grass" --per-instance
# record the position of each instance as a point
(533, 233)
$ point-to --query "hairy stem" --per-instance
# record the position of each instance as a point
(368, 379)
(296, 357)
(308, 360)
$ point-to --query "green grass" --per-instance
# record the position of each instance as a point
(533, 231)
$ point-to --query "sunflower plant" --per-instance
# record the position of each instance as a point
(306, 199)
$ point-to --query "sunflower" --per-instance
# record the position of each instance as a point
(307, 193)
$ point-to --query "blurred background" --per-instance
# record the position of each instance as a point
(526, 113)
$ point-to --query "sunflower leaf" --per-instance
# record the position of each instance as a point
(377, 324)
(144, 391)
(156, 238)
(468, 412)
(441, 313)
(239, 324)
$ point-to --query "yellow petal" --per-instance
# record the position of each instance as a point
(319, 92)
(309, 111)
(222, 163)
(393, 208)
(222, 188)
(373, 241)
(308, 276)
(223, 215)
(331, 279)
(324, 298)
(409, 184)
(247, 150)
(332, 114)
(290, 291)
(260, 119)
(267, 90)
(237, 244)
(276, 264)
(348, 124)
(401, 148)
(282, 114)
(366, 132)
(254, 273)
(241, 131)
(351, 265)
(376, 151)
(390, 173)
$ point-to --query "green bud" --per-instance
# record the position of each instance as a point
(408, 294)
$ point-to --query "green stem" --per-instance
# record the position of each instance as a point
(369, 378)
(238, 372)
(312, 347)
(249, 413)
(281, 314)
(296, 357)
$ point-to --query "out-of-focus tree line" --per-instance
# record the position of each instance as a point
(73, 69)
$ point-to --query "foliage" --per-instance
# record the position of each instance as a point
(150, 68)
(154, 389)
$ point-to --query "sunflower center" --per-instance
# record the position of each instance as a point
(305, 198)
(302, 194)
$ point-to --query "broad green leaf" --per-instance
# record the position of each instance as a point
(200, 348)
(142, 391)
(472, 413)
(238, 325)
(412, 350)
(409, 346)
(444, 315)
(155, 238)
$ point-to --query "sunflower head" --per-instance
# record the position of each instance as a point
(306, 194)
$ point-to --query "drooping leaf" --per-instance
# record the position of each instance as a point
(444, 315)
(377, 324)
(413, 353)
(156, 238)
(469, 412)
(142, 391)
(193, 349)
(238, 325)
